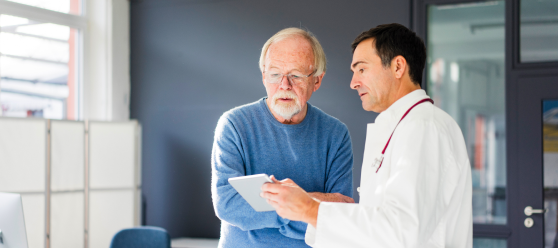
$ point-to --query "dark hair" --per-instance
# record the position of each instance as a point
(393, 40)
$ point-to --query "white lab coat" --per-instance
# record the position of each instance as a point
(422, 193)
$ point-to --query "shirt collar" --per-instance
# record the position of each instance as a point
(394, 112)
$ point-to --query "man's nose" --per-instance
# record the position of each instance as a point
(285, 83)
(354, 83)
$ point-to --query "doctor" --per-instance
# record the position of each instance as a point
(415, 188)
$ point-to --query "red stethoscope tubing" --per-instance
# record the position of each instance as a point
(409, 110)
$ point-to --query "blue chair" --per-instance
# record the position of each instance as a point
(141, 237)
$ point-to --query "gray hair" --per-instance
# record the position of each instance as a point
(319, 55)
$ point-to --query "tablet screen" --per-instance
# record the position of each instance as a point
(250, 187)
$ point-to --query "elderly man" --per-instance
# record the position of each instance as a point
(415, 187)
(282, 135)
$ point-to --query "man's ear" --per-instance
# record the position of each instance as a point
(399, 66)
(318, 81)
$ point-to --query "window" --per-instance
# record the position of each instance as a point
(538, 30)
(40, 44)
(63, 6)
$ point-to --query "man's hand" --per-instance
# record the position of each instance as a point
(291, 201)
(331, 197)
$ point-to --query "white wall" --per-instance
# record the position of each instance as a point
(106, 78)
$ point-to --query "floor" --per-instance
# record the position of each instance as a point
(194, 243)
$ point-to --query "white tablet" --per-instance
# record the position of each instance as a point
(250, 187)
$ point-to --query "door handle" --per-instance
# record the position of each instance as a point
(530, 211)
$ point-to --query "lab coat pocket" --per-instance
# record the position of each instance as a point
(372, 151)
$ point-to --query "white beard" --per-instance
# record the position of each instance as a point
(286, 110)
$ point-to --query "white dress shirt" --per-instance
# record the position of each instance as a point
(421, 196)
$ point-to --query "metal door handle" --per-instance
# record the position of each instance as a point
(530, 211)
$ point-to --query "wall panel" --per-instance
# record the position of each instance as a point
(193, 60)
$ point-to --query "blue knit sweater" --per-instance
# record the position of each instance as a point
(315, 153)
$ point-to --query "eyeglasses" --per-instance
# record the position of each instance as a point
(272, 77)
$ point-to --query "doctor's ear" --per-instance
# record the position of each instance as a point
(399, 66)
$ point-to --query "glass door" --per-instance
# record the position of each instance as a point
(465, 76)
(538, 157)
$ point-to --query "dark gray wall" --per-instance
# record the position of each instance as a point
(192, 60)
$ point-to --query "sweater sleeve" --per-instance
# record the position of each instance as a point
(294, 229)
(227, 160)
(340, 176)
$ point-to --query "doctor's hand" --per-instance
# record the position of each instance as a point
(291, 201)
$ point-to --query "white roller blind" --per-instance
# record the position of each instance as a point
(113, 170)
(68, 159)
(110, 212)
(112, 154)
(22, 155)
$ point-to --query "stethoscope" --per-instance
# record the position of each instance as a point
(378, 161)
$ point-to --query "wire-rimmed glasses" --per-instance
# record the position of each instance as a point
(274, 77)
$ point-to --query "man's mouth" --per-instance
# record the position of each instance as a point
(362, 94)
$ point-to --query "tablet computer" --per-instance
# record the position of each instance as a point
(250, 187)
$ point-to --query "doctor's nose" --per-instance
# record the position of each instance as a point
(354, 83)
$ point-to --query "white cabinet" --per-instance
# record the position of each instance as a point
(79, 181)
